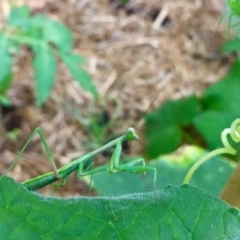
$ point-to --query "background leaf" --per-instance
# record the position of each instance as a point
(224, 95)
(211, 123)
(4, 100)
(73, 62)
(175, 112)
(45, 70)
(232, 45)
(173, 213)
(164, 126)
(165, 140)
(4, 86)
(221, 106)
(19, 17)
(53, 32)
(6, 59)
(198, 121)
(6, 83)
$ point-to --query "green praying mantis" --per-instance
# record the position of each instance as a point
(80, 163)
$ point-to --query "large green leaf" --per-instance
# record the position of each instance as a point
(174, 213)
(45, 70)
(73, 63)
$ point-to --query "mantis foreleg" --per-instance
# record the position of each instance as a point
(114, 165)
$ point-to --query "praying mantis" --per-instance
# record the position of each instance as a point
(79, 163)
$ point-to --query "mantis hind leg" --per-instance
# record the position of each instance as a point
(46, 147)
(62, 184)
(84, 172)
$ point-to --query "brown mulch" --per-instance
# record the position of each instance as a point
(133, 52)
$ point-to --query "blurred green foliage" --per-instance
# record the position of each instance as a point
(48, 40)
(195, 120)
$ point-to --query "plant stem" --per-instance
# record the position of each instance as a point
(203, 160)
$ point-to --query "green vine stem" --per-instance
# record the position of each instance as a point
(234, 132)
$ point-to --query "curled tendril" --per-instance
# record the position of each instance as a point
(234, 132)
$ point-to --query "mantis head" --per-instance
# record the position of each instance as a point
(131, 134)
